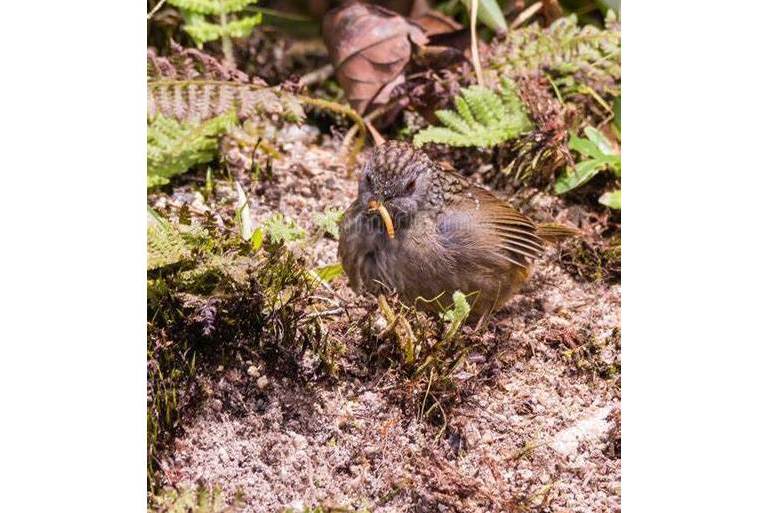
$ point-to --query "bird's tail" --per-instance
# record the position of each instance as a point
(554, 232)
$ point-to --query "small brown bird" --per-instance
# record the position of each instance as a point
(426, 232)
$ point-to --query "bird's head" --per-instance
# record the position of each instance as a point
(395, 182)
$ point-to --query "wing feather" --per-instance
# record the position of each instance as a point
(494, 225)
(515, 234)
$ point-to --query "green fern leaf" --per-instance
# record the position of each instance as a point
(223, 20)
(241, 27)
(236, 5)
(453, 121)
(483, 118)
(329, 221)
(174, 147)
(580, 60)
(465, 112)
(486, 107)
(281, 230)
(198, 6)
(201, 30)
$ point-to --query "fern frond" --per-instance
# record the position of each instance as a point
(224, 22)
(483, 118)
(192, 86)
(167, 245)
(575, 56)
(173, 147)
(203, 31)
(212, 6)
(328, 221)
(453, 120)
(282, 230)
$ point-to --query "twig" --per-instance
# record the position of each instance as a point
(526, 14)
(406, 346)
(475, 43)
(427, 391)
(347, 111)
(379, 140)
(155, 9)
(324, 313)
(376, 113)
(316, 76)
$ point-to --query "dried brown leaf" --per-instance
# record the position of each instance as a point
(369, 46)
(433, 22)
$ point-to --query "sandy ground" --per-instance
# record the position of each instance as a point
(536, 428)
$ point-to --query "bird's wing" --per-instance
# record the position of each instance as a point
(477, 219)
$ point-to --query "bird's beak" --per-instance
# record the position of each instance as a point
(376, 206)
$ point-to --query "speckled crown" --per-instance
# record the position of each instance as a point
(392, 161)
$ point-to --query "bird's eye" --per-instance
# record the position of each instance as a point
(409, 189)
(368, 179)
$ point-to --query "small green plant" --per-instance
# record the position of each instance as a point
(429, 352)
(581, 61)
(210, 20)
(327, 273)
(325, 509)
(243, 216)
(481, 118)
(598, 155)
(173, 146)
(282, 230)
(611, 199)
(188, 500)
(204, 283)
(328, 221)
(457, 314)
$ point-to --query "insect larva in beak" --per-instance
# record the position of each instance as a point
(385, 215)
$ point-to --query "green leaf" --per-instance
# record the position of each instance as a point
(242, 27)
(483, 118)
(577, 176)
(243, 214)
(585, 147)
(174, 147)
(201, 30)
(283, 230)
(611, 199)
(601, 142)
(489, 14)
(257, 238)
(329, 220)
(198, 6)
(165, 244)
(328, 272)
(457, 315)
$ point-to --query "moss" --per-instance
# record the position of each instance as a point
(188, 500)
(225, 299)
(590, 260)
(597, 356)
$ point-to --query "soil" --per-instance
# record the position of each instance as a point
(535, 428)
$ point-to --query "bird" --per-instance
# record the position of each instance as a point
(423, 231)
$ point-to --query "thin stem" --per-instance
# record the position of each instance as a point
(227, 43)
(475, 43)
(155, 9)
(526, 14)
(316, 76)
(347, 111)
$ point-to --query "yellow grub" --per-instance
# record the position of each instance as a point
(385, 215)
